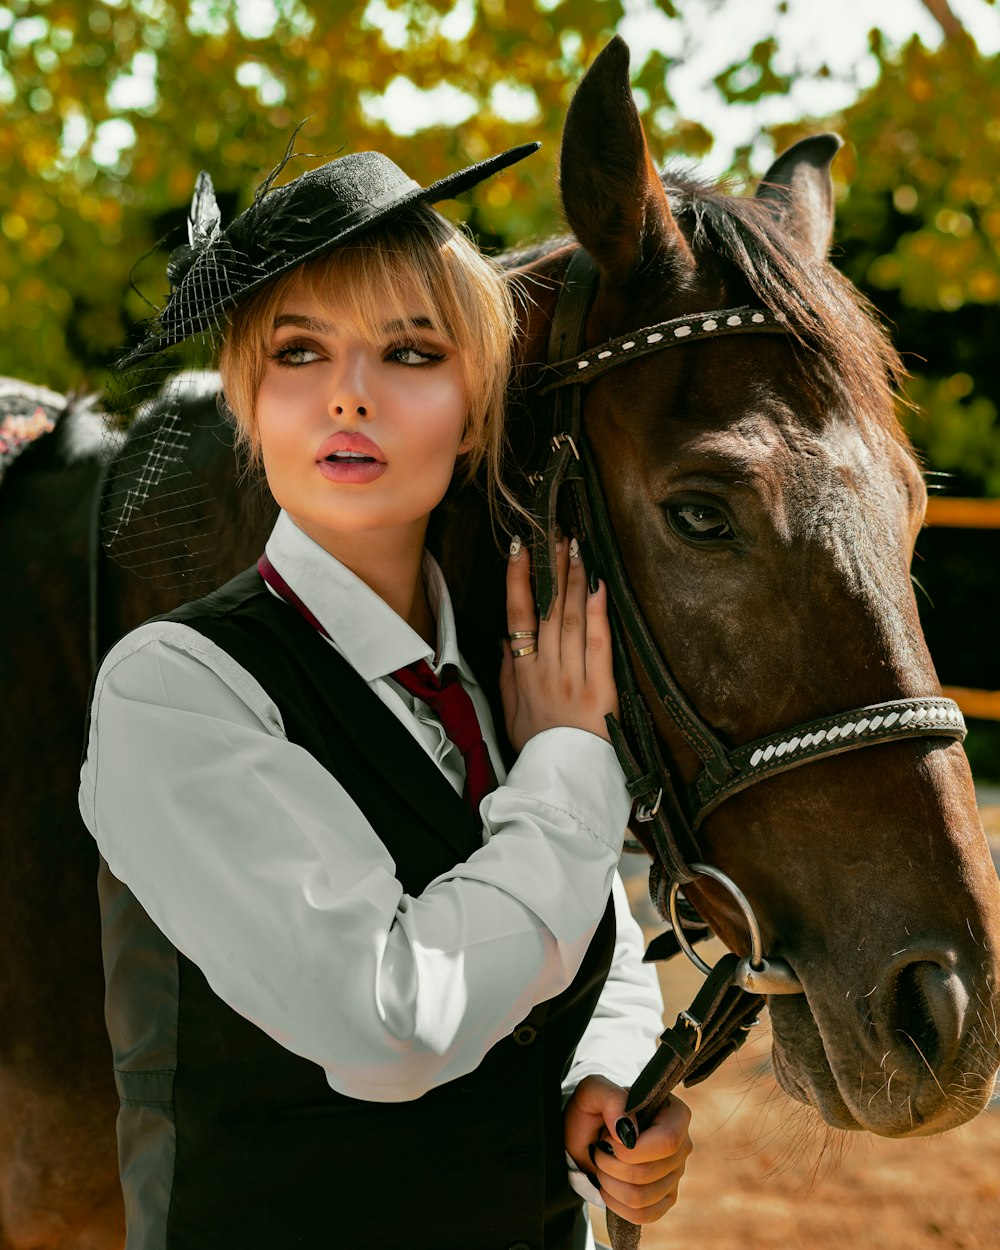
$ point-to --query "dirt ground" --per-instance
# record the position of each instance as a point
(764, 1177)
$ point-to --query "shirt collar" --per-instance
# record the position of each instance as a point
(365, 630)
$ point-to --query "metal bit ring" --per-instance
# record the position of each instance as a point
(755, 973)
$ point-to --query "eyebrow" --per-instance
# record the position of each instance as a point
(325, 327)
(303, 323)
(411, 323)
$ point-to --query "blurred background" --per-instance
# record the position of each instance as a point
(111, 107)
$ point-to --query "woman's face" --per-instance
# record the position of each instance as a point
(358, 437)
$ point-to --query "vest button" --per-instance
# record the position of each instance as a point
(524, 1035)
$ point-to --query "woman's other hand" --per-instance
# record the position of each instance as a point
(639, 1184)
(568, 680)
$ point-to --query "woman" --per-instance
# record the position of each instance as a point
(358, 974)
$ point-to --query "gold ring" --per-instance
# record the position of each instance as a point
(517, 652)
(524, 633)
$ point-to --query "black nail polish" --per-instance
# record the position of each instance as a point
(626, 1132)
(592, 1151)
(607, 1147)
(593, 581)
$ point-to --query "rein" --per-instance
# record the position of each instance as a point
(719, 1020)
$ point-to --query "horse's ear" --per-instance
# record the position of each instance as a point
(612, 195)
(801, 189)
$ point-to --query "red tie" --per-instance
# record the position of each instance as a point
(450, 702)
(447, 698)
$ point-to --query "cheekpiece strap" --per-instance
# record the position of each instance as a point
(665, 830)
(567, 330)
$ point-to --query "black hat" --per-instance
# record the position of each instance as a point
(283, 227)
(155, 505)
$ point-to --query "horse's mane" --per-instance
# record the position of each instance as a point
(828, 314)
(834, 323)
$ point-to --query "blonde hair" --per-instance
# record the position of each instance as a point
(419, 260)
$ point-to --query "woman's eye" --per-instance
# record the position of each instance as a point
(294, 354)
(699, 522)
(409, 355)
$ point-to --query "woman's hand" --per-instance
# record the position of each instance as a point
(639, 1184)
(568, 680)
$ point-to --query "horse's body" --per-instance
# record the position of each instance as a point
(58, 1162)
(58, 1168)
(765, 504)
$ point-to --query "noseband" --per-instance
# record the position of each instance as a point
(672, 810)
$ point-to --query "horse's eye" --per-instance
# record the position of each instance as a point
(699, 522)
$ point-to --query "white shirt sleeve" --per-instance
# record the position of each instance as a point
(255, 862)
(622, 1034)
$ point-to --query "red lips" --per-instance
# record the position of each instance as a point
(360, 444)
(352, 471)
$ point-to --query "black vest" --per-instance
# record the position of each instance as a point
(228, 1140)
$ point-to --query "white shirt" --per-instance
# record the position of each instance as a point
(256, 863)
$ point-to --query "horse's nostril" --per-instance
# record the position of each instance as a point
(928, 1010)
(915, 1021)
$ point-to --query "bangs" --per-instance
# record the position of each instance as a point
(418, 267)
(378, 292)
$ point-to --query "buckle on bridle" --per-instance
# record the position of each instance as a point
(692, 1022)
(564, 437)
(645, 812)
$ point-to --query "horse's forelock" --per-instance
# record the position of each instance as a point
(831, 318)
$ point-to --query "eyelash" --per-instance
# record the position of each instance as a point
(282, 355)
(430, 357)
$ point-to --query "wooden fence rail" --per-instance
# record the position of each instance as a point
(964, 513)
(968, 514)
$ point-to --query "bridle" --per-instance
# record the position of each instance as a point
(673, 811)
(726, 1007)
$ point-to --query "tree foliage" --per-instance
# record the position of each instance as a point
(919, 232)
(112, 107)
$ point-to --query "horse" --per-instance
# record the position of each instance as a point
(765, 504)
(57, 1108)
(58, 1161)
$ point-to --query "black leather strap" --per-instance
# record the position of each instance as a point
(716, 1025)
(568, 325)
(930, 717)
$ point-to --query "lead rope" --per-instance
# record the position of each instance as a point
(714, 1027)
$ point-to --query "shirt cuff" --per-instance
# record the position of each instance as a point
(580, 1183)
(578, 772)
